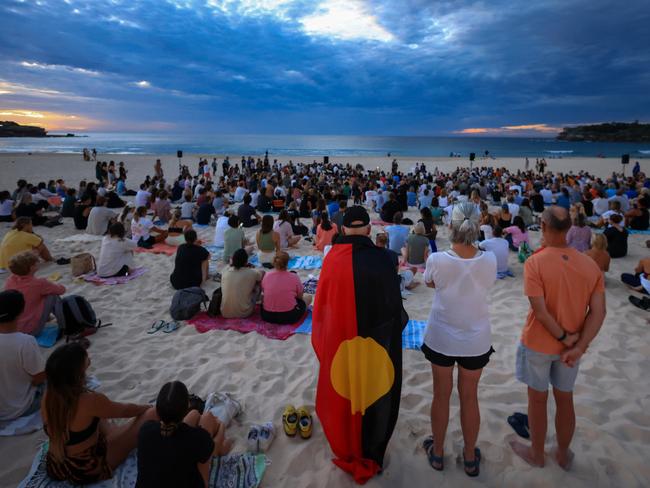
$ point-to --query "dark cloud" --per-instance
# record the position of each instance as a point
(250, 66)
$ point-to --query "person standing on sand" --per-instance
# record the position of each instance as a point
(358, 319)
(567, 309)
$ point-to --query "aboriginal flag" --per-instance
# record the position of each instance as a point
(358, 319)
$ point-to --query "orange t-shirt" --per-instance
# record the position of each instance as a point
(566, 279)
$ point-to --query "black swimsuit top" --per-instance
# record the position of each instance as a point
(75, 438)
(175, 230)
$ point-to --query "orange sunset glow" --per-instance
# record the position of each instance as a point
(510, 129)
(51, 121)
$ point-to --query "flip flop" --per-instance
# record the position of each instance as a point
(436, 462)
(473, 466)
(170, 327)
(642, 303)
(519, 422)
(156, 326)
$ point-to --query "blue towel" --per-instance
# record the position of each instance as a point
(643, 232)
(305, 327)
(296, 262)
(48, 336)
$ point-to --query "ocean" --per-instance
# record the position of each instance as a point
(322, 145)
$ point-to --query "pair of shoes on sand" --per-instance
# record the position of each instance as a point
(297, 421)
(260, 437)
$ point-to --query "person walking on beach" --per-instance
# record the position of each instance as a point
(567, 308)
(358, 319)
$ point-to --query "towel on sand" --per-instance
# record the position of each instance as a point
(80, 238)
(412, 336)
(296, 262)
(233, 470)
(159, 248)
(205, 323)
(115, 280)
(21, 425)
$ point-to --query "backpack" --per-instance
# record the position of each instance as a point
(186, 303)
(78, 315)
(214, 309)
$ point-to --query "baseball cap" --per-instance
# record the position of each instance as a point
(356, 217)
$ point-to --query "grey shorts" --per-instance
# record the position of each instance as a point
(538, 370)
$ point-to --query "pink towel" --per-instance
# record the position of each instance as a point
(204, 323)
(159, 248)
(115, 280)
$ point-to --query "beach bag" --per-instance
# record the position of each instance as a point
(524, 252)
(78, 316)
(186, 303)
(82, 263)
(214, 309)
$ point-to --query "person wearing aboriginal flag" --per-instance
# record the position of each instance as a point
(358, 318)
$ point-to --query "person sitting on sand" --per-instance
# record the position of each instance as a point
(416, 249)
(176, 229)
(390, 208)
(21, 238)
(397, 234)
(283, 300)
(116, 253)
(27, 208)
(188, 207)
(566, 291)
(406, 275)
(426, 217)
(283, 227)
(639, 218)
(641, 274)
(142, 229)
(614, 209)
(84, 446)
(458, 332)
(246, 213)
(7, 213)
(579, 235)
(191, 263)
(516, 234)
(69, 203)
(42, 297)
(505, 217)
(240, 286)
(220, 229)
(268, 240)
(81, 211)
(162, 208)
(234, 238)
(100, 218)
(616, 236)
(500, 248)
(178, 449)
(598, 252)
(325, 231)
(21, 362)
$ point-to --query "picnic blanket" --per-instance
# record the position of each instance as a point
(296, 262)
(231, 471)
(254, 323)
(48, 336)
(412, 335)
(159, 248)
(310, 285)
(22, 425)
(80, 238)
(643, 232)
(115, 280)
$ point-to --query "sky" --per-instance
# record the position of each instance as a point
(368, 67)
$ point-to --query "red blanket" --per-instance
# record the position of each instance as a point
(159, 248)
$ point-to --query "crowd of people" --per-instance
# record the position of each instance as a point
(490, 213)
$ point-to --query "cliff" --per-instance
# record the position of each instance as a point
(12, 129)
(608, 132)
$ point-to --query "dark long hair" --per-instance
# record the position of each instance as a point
(325, 223)
(172, 404)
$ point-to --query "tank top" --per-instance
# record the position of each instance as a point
(266, 243)
(640, 222)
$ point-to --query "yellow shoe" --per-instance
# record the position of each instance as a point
(305, 424)
(290, 420)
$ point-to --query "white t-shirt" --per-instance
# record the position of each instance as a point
(459, 322)
(487, 231)
(220, 229)
(115, 253)
(547, 195)
(98, 220)
(601, 205)
(140, 229)
(499, 247)
(513, 208)
(6, 208)
(285, 230)
(20, 359)
(239, 193)
(141, 198)
(187, 211)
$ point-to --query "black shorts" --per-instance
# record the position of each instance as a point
(289, 317)
(465, 362)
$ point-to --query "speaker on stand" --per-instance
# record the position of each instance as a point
(625, 160)
(179, 155)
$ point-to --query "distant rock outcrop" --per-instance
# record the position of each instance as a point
(608, 132)
(12, 129)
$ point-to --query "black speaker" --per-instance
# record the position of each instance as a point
(179, 154)
(326, 160)
(625, 159)
(472, 156)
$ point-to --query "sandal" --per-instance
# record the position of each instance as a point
(170, 327)
(436, 462)
(290, 420)
(156, 326)
(305, 423)
(472, 468)
(519, 422)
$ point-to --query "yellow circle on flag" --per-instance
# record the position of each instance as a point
(362, 372)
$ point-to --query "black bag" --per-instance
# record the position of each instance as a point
(78, 315)
(186, 303)
(214, 309)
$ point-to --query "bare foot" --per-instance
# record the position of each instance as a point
(525, 452)
(564, 459)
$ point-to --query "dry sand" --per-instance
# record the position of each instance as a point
(612, 396)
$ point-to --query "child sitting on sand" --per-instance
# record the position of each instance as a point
(142, 229)
(177, 450)
(41, 295)
(116, 254)
(23, 367)
(598, 252)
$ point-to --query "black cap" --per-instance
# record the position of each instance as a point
(355, 217)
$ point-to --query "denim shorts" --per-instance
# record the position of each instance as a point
(538, 370)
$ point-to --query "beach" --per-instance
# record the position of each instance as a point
(612, 396)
